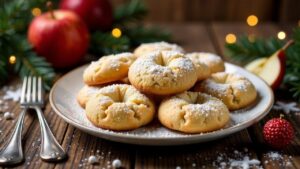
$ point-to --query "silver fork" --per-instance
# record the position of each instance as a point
(31, 97)
(12, 152)
(50, 148)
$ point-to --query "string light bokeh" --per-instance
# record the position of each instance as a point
(281, 35)
(252, 20)
(12, 59)
(116, 32)
(230, 38)
(36, 11)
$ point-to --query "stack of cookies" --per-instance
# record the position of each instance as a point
(188, 92)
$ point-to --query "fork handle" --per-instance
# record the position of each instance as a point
(50, 148)
(12, 153)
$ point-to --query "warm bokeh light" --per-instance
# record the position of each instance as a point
(36, 11)
(12, 59)
(230, 38)
(252, 20)
(281, 35)
(116, 32)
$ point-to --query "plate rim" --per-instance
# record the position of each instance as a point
(224, 132)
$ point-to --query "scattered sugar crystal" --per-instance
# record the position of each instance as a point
(116, 163)
(223, 164)
(92, 159)
(245, 163)
(12, 94)
(274, 155)
(8, 115)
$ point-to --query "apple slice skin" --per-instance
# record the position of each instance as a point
(281, 56)
(62, 40)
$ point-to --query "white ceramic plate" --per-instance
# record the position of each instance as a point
(63, 101)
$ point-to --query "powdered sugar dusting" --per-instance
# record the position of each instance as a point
(172, 68)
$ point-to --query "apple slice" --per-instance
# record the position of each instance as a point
(273, 70)
(256, 65)
(270, 69)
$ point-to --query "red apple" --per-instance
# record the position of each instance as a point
(97, 14)
(61, 37)
(270, 69)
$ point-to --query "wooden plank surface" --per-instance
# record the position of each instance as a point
(79, 145)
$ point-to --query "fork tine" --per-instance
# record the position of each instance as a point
(34, 89)
(23, 90)
(40, 90)
(28, 93)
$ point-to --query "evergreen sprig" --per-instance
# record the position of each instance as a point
(246, 50)
(133, 11)
(15, 18)
(105, 43)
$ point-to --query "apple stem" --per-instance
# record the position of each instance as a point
(50, 9)
(289, 43)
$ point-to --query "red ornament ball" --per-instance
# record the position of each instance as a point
(278, 133)
(97, 14)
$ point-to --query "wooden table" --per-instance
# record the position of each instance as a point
(249, 142)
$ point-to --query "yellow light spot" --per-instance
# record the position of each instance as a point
(230, 38)
(252, 20)
(12, 59)
(36, 11)
(281, 35)
(116, 32)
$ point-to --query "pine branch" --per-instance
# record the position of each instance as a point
(28, 63)
(140, 34)
(105, 43)
(245, 50)
(292, 76)
(130, 12)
